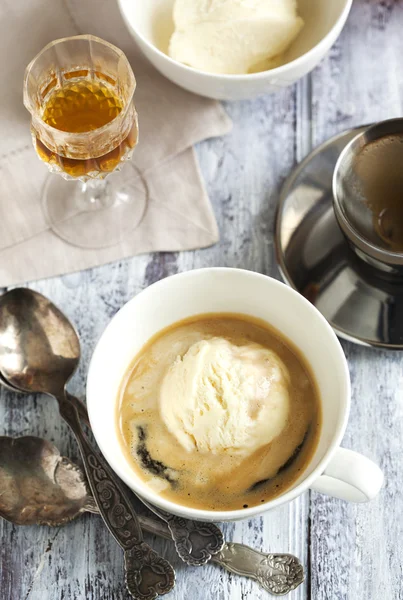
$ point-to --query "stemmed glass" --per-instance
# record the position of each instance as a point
(79, 91)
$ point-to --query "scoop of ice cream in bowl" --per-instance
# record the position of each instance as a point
(234, 49)
(233, 37)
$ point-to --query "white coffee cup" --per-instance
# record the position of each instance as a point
(332, 470)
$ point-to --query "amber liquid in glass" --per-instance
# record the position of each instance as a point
(81, 105)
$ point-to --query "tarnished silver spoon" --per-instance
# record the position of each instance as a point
(41, 487)
(39, 352)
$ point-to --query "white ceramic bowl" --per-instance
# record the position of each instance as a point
(150, 22)
(332, 470)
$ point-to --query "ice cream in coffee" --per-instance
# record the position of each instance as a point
(225, 399)
(218, 412)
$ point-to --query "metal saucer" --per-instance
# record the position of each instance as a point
(363, 304)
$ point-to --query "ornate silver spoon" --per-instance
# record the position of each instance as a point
(39, 352)
(41, 487)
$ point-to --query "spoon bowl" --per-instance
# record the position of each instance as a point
(39, 347)
(38, 485)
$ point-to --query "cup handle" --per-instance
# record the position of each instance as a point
(350, 476)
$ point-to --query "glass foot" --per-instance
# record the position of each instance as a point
(97, 213)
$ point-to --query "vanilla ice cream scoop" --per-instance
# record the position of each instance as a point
(223, 398)
(233, 36)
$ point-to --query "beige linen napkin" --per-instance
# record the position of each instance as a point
(178, 216)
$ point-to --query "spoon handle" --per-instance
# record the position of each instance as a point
(278, 574)
(147, 574)
(196, 542)
(81, 408)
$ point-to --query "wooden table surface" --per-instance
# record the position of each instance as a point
(350, 552)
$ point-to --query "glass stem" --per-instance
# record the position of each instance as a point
(94, 195)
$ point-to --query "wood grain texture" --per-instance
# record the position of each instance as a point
(349, 552)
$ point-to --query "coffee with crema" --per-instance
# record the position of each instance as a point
(219, 412)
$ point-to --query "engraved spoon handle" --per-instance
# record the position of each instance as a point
(195, 542)
(278, 574)
(147, 574)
